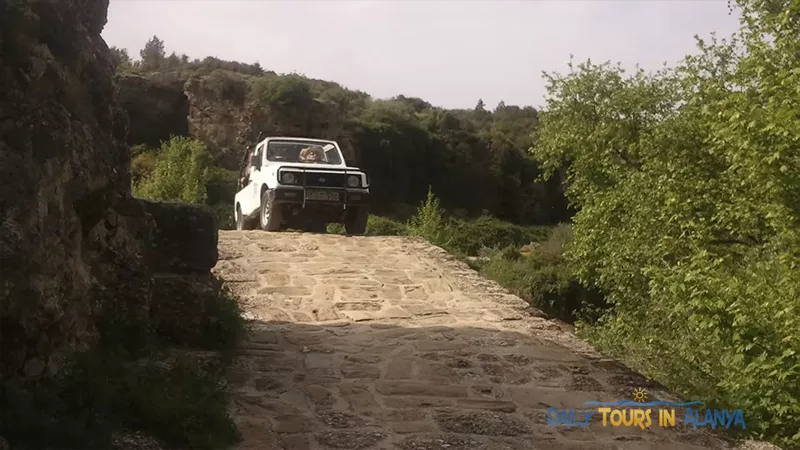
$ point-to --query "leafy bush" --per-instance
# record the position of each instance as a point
(382, 226)
(429, 222)
(336, 228)
(179, 174)
(226, 86)
(545, 279)
(142, 166)
(687, 185)
(285, 93)
(469, 237)
(221, 189)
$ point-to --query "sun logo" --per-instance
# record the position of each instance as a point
(640, 395)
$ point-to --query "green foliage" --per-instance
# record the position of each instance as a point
(180, 399)
(382, 226)
(468, 237)
(687, 182)
(289, 93)
(429, 222)
(182, 403)
(226, 86)
(120, 57)
(153, 54)
(179, 174)
(336, 228)
(545, 279)
(220, 189)
(142, 165)
(376, 226)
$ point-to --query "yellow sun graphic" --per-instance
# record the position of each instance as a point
(640, 395)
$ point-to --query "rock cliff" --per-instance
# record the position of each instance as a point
(223, 109)
(75, 248)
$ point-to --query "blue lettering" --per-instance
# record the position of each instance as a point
(738, 418)
(552, 416)
(587, 417)
(709, 418)
(691, 417)
(565, 418)
(720, 418)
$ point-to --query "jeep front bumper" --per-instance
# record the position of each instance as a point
(319, 197)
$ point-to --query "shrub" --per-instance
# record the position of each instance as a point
(429, 222)
(284, 93)
(545, 279)
(142, 166)
(226, 86)
(221, 189)
(382, 226)
(469, 237)
(179, 174)
(336, 228)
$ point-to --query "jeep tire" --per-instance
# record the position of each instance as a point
(269, 217)
(356, 221)
(242, 222)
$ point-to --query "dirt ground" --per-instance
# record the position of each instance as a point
(390, 343)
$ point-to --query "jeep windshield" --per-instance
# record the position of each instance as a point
(303, 152)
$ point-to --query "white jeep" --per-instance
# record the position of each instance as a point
(300, 183)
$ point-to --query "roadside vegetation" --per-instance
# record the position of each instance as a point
(159, 384)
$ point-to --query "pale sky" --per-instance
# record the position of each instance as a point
(449, 53)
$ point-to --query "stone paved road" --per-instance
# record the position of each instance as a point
(389, 343)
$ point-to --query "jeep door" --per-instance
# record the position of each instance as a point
(249, 198)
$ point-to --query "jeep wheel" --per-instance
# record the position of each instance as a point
(356, 221)
(269, 217)
(239, 218)
(242, 222)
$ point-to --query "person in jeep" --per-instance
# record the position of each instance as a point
(247, 169)
(311, 155)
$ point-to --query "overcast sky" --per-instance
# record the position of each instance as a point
(449, 53)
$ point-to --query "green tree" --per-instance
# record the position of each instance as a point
(687, 182)
(179, 174)
(120, 57)
(153, 54)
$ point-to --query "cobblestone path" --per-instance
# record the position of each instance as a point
(390, 343)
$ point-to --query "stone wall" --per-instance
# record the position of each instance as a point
(74, 245)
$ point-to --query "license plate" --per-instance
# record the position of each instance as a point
(327, 196)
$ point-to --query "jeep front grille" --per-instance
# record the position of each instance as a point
(320, 179)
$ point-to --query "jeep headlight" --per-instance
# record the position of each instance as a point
(288, 178)
(353, 181)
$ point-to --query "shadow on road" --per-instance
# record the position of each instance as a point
(349, 385)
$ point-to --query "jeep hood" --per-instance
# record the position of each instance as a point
(320, 167)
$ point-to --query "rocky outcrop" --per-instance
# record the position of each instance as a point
(157, 108)
(63, 166)
(78, 255)
(218, 109)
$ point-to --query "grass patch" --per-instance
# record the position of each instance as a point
(181, 400)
